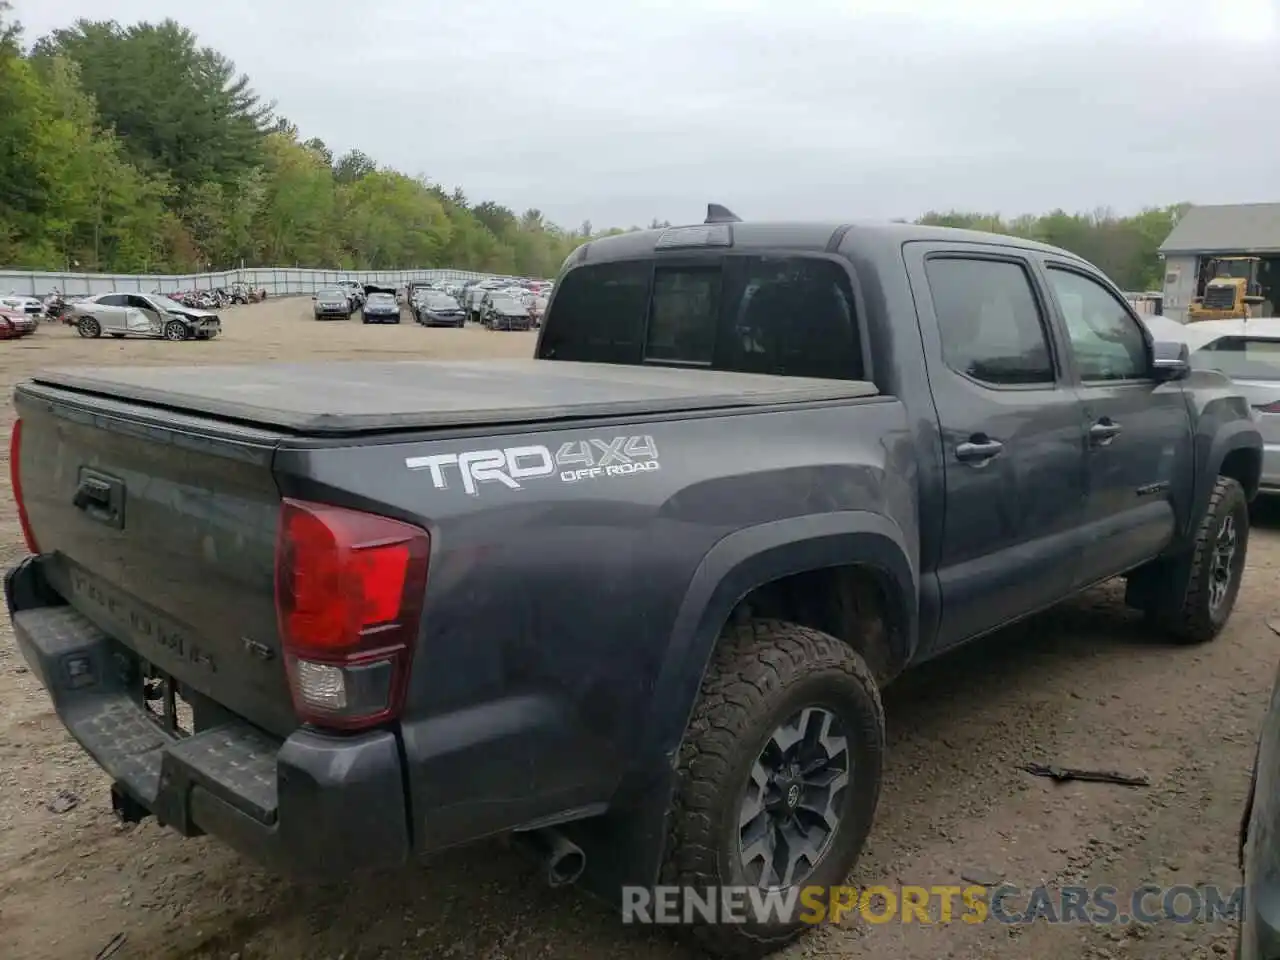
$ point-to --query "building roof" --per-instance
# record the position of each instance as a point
(1229, 228)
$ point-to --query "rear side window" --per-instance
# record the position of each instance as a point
(598, 314)
(1243, 358)
(792, 316)
(989, 320)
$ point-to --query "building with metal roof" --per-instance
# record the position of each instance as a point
(1236, 229)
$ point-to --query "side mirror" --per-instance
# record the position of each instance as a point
(1170, 360)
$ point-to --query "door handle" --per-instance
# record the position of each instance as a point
(1103, 432)
(978, 450)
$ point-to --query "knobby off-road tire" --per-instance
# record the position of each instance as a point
(1198, 613)
(763, 675)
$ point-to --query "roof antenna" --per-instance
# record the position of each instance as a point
(718, 214)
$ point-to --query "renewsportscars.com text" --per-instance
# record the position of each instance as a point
(941, 903)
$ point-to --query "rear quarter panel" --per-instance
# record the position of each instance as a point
(550, 608)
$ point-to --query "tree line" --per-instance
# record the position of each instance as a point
(135, 149)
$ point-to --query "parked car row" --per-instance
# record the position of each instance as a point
(186, 315)
(497, 304)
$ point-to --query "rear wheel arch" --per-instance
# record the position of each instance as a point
(848, 574)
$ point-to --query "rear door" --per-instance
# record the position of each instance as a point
(1010, 425)
(112, 312)
(1138, 431)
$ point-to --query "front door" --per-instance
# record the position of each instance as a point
(1138, 430)
(144, 318)
(1012, 444)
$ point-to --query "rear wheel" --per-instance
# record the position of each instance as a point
(778, 776)
(88, 327)
(176, 330)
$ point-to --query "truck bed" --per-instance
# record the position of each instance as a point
(345, 397)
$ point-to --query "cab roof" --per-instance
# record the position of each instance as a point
(746, 236)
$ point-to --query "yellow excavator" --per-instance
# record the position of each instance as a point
(1232, 292)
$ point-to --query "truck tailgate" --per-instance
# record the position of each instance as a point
(162, 533)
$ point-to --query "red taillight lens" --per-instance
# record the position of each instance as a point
(349, 593)
(1269, 408)
(15, 480)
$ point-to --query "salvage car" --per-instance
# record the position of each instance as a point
(16, 323)
(431, 308)
(631, 601)
(142, 315)
(32, 306)
(355, 292)
(381, 308)
(499, 311)
(333, 303)
(1248, 351)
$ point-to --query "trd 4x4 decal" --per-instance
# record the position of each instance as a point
(575, 461)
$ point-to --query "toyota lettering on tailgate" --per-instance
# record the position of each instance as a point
(573, 462)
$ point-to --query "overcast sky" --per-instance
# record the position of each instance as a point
(618, 111)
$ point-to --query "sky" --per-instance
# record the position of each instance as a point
(624, 111)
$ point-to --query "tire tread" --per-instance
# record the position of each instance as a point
(752, 665)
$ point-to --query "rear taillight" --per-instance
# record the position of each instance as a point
(349, 594)
(15, 480)
(1269, 407)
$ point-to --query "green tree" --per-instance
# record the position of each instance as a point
(175, 104)
(353, 165)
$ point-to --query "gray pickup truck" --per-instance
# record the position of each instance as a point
(631, 600)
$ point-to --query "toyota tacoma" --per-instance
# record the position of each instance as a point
(634, 599)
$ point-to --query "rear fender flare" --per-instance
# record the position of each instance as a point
(750, 558)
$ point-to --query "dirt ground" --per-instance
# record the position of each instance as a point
(1081, 685)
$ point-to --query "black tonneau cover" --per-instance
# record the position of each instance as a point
(345, 397)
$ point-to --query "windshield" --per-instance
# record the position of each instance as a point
(441, 303)
(506, 303)
(1240, 269)
(383, 298)
(332, 294)
(164, 303)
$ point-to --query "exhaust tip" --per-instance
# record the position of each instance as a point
(564, 870)
(562, 859)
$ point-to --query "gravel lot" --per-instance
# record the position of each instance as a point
(1081, 685)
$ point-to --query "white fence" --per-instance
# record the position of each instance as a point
(277, 281)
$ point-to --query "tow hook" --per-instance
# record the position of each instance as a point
(126, 809)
